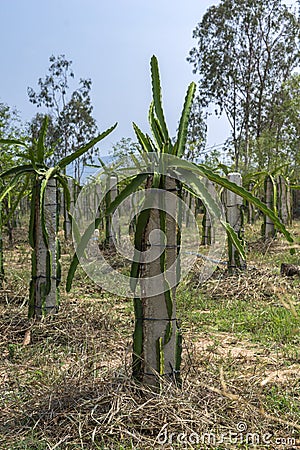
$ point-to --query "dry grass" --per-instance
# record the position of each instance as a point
(69, 387)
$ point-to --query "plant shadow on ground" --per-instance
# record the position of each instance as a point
(65, 382)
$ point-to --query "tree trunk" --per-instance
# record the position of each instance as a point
(235, 218)
(268, 225)
(44, 294)
(156, 326)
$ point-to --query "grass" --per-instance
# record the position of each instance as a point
(262, 322)
(70, 387)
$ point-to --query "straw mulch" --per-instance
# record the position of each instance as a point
(65, 383)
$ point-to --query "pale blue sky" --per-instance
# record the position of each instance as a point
(110, 42)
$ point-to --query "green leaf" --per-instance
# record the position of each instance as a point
(197, 188)
(11, 185)
(41, 140)
(136, 162)
(143, 140)
(224, 168)
(138, 237)
(63, 181)
(71, 272)
(156, 91)
(31, 230)
(184, 121)
(274, 192)
(155, 128)
(128, 190)
(222, 181)
(25, 168)
(13, 142)
(70, 158)
(79, 252)
(19, 196)
(234, 238)
(103, 165)
(160, 356)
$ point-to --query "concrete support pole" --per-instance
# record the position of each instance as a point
(234, 213)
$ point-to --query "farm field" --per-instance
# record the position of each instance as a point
(66, 381)
(150, 233)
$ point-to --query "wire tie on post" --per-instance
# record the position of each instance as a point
(153, 319)
(158, 375)
(35, 277)
(46, 307)
(174, 371)
(163, 245)
(172, 190)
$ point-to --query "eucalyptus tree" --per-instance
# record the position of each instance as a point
(43, 179)
(122, 150)
(246, 50)
(279, 142)
(158, 246)
(197, 130)
(72, 120)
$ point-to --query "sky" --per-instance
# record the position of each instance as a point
(110, 42)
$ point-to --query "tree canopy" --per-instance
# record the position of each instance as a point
(72, 122)
(246, 50)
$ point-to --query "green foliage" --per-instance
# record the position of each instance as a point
(246, 50)
(261, 321)
(121, 152)
(40, 174)
(71, 120)
(202, 170)
(196, 139)
(157, 99)
(151, 150)
(131, 187)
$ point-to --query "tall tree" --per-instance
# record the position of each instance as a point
(71, 122)
(197, 129)
(280, 141)
(246, 50)
(122, 150)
